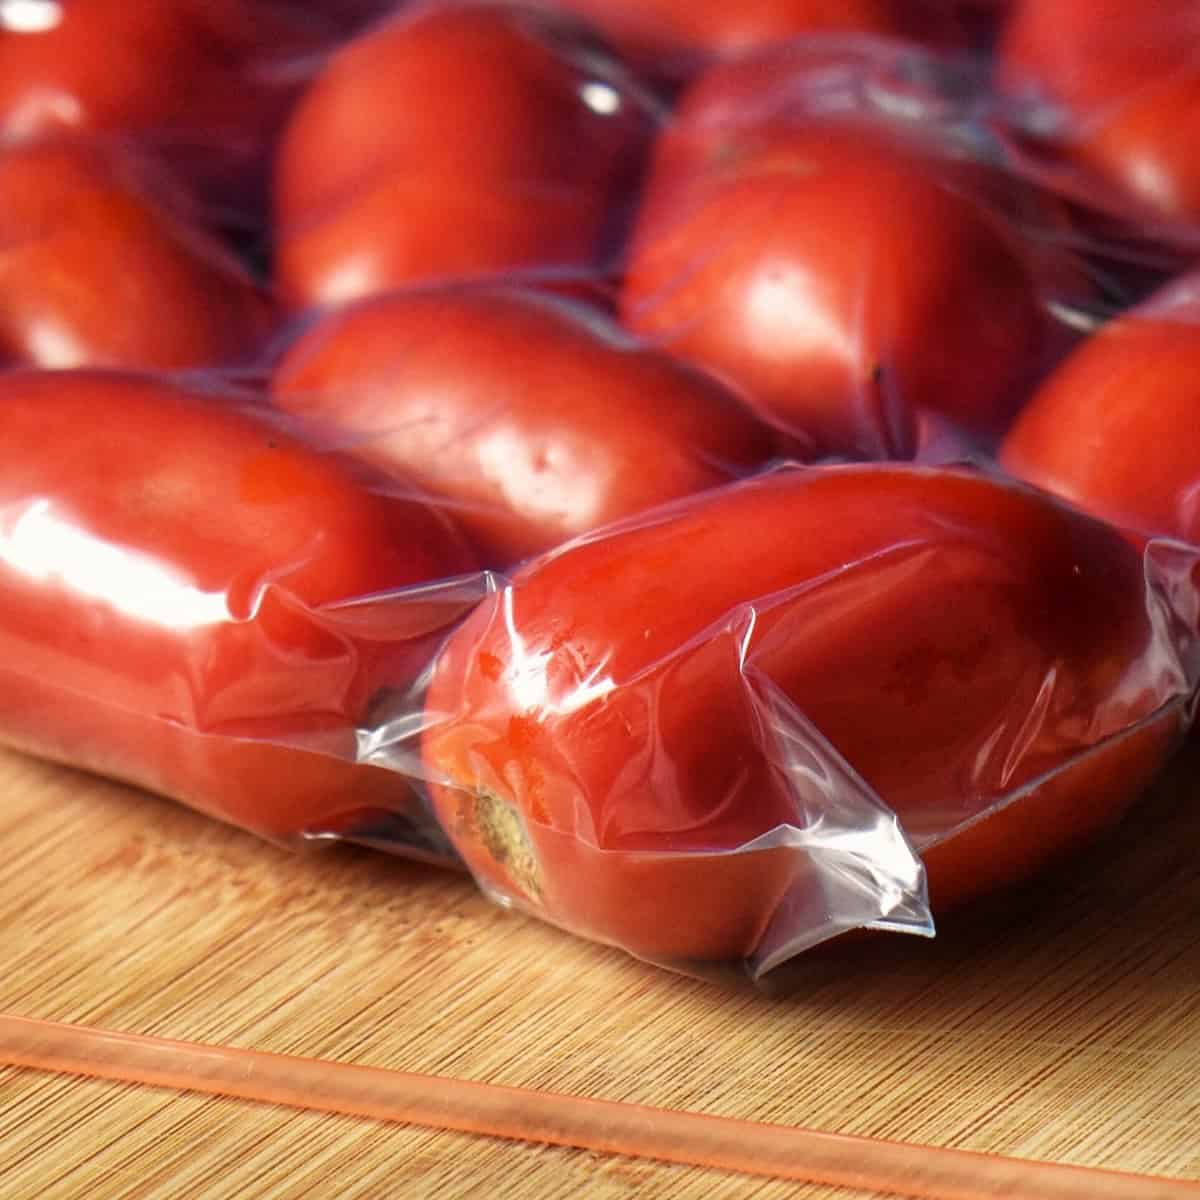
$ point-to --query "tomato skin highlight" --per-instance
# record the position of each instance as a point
(843, 286)
(523, 154)
(598, 730)
(172, 569)
(536, 420)
(103, 267)
(1116, 428)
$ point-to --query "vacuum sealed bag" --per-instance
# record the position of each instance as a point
(726, 488)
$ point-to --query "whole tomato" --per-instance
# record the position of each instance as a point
(185, 599)
(840, 277)
(1116, 428)
(1115, 88)
(669, 37)
(534, 418)
(660, 737)
(521, 153)
(186, 77)
(102, 268)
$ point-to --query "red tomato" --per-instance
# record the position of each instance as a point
(842, 282)
(173, 573)
(669, 36)
(98, 271)
(537, 420)
(184, 76)
(637, 707)
(1116, 428)
(520, 153)
(1121, 89)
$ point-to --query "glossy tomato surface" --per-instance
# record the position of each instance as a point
(841, 280)
(1116, 88)
(645, 738)
(172, 578)
(535, 418)
(1116, 428)
(465, 140)
(102, 268)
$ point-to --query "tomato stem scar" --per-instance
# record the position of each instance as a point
(504, 836)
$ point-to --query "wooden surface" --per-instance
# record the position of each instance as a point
(1065, 1026)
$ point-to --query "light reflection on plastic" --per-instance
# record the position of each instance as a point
(30, 16)
(601, 98)
(527, 675)
(46, 549)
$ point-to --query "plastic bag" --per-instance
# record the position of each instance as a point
(721, 732)
(509, 564)
(189, 599)
(734, 729)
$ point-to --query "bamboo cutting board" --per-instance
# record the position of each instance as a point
(1064, 1025)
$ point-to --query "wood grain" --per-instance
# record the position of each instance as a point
(1060, 1024)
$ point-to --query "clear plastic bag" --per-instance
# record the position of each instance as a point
(190, 599)
(508, 561)
(734, 729)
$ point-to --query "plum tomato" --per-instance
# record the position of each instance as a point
(639, 739)
(841, 280)
(186, 77)
(102, 267)
(1116, 428)
(186, 599)
(523, 152)
(536, 419)
(1115, 89)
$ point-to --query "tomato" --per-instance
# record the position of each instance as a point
(1118, 88)
(535, 419)
(669, 36)
(186, 76)
(100, 269)
(1116, 428)
(841, 281)
(184, 599)
(645, 738)
(521, 153)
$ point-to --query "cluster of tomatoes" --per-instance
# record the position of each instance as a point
(521, 433)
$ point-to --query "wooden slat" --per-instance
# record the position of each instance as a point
(1061, 1025)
